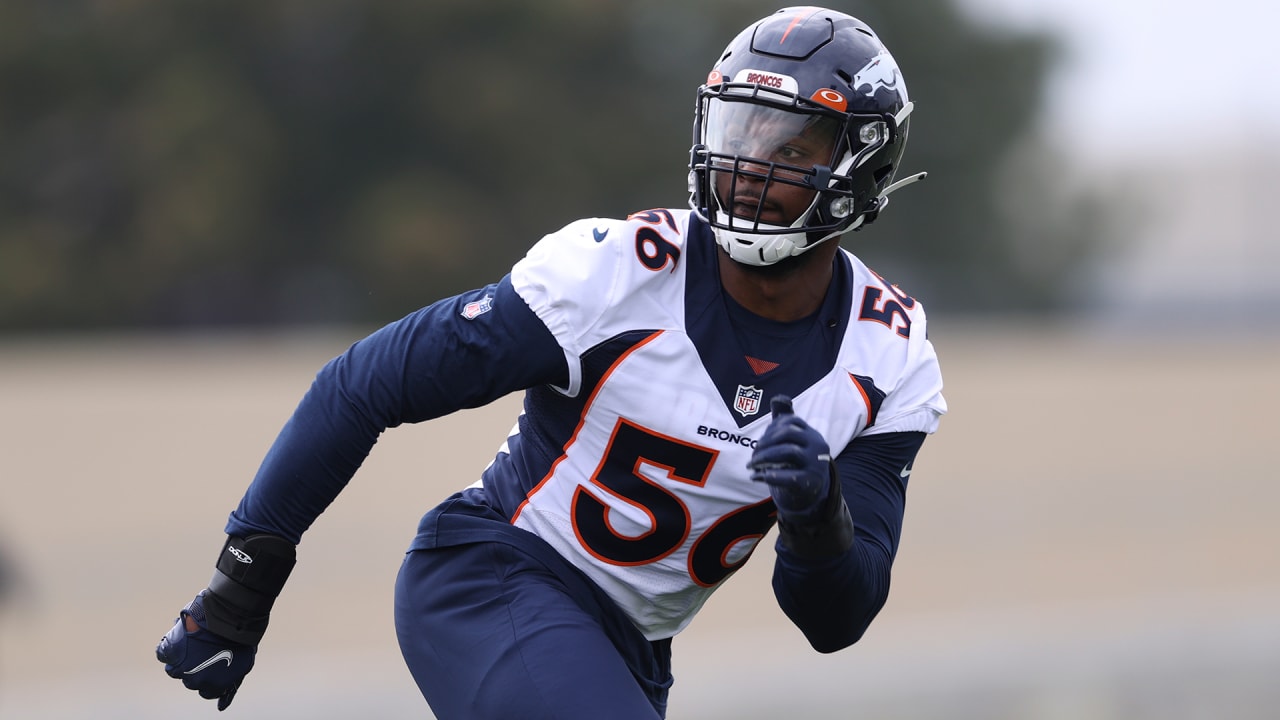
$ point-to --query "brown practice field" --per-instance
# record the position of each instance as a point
(1094, 534)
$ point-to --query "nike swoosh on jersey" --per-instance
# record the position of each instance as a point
(217, 657)
(599, 235)
(906, 471)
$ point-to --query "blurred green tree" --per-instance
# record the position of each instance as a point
(303, 161)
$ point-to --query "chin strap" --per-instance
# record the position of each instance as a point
(901, 184)
(882, 200)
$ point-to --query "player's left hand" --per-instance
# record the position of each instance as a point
(795, 460)
(203, 661)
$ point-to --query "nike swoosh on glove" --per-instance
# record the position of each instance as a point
(204, 662)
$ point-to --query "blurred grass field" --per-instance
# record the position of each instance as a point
(1092, 535)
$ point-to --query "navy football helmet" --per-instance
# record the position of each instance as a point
(807, 98)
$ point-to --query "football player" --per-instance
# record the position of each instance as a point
(691, 377)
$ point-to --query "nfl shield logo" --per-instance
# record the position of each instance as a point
(747, 402)
(473, 310)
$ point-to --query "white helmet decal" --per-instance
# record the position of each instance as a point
(765, 79)
(881, 72)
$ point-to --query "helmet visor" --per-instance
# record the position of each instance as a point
(761, 160)
(793, 142)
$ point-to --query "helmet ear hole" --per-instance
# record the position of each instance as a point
(882, 174)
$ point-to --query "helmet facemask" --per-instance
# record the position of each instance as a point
(752, 141)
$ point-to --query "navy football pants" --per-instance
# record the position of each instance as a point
(490, 632)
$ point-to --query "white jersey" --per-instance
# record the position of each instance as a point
(649, 494)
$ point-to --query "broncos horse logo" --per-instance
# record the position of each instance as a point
(881, 72)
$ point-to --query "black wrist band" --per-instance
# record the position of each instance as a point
(831, 534)
(258, 565)
(249, 575)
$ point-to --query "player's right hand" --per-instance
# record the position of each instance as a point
(204, 662)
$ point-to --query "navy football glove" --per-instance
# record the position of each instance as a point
(230, 617)
(795, 461)
(203, 661)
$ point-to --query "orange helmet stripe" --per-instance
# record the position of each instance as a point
(798, 19)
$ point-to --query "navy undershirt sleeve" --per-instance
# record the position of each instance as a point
(461, 352)
(834, 600)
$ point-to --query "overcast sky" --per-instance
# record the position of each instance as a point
(1191, 91)
(1156, 72)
